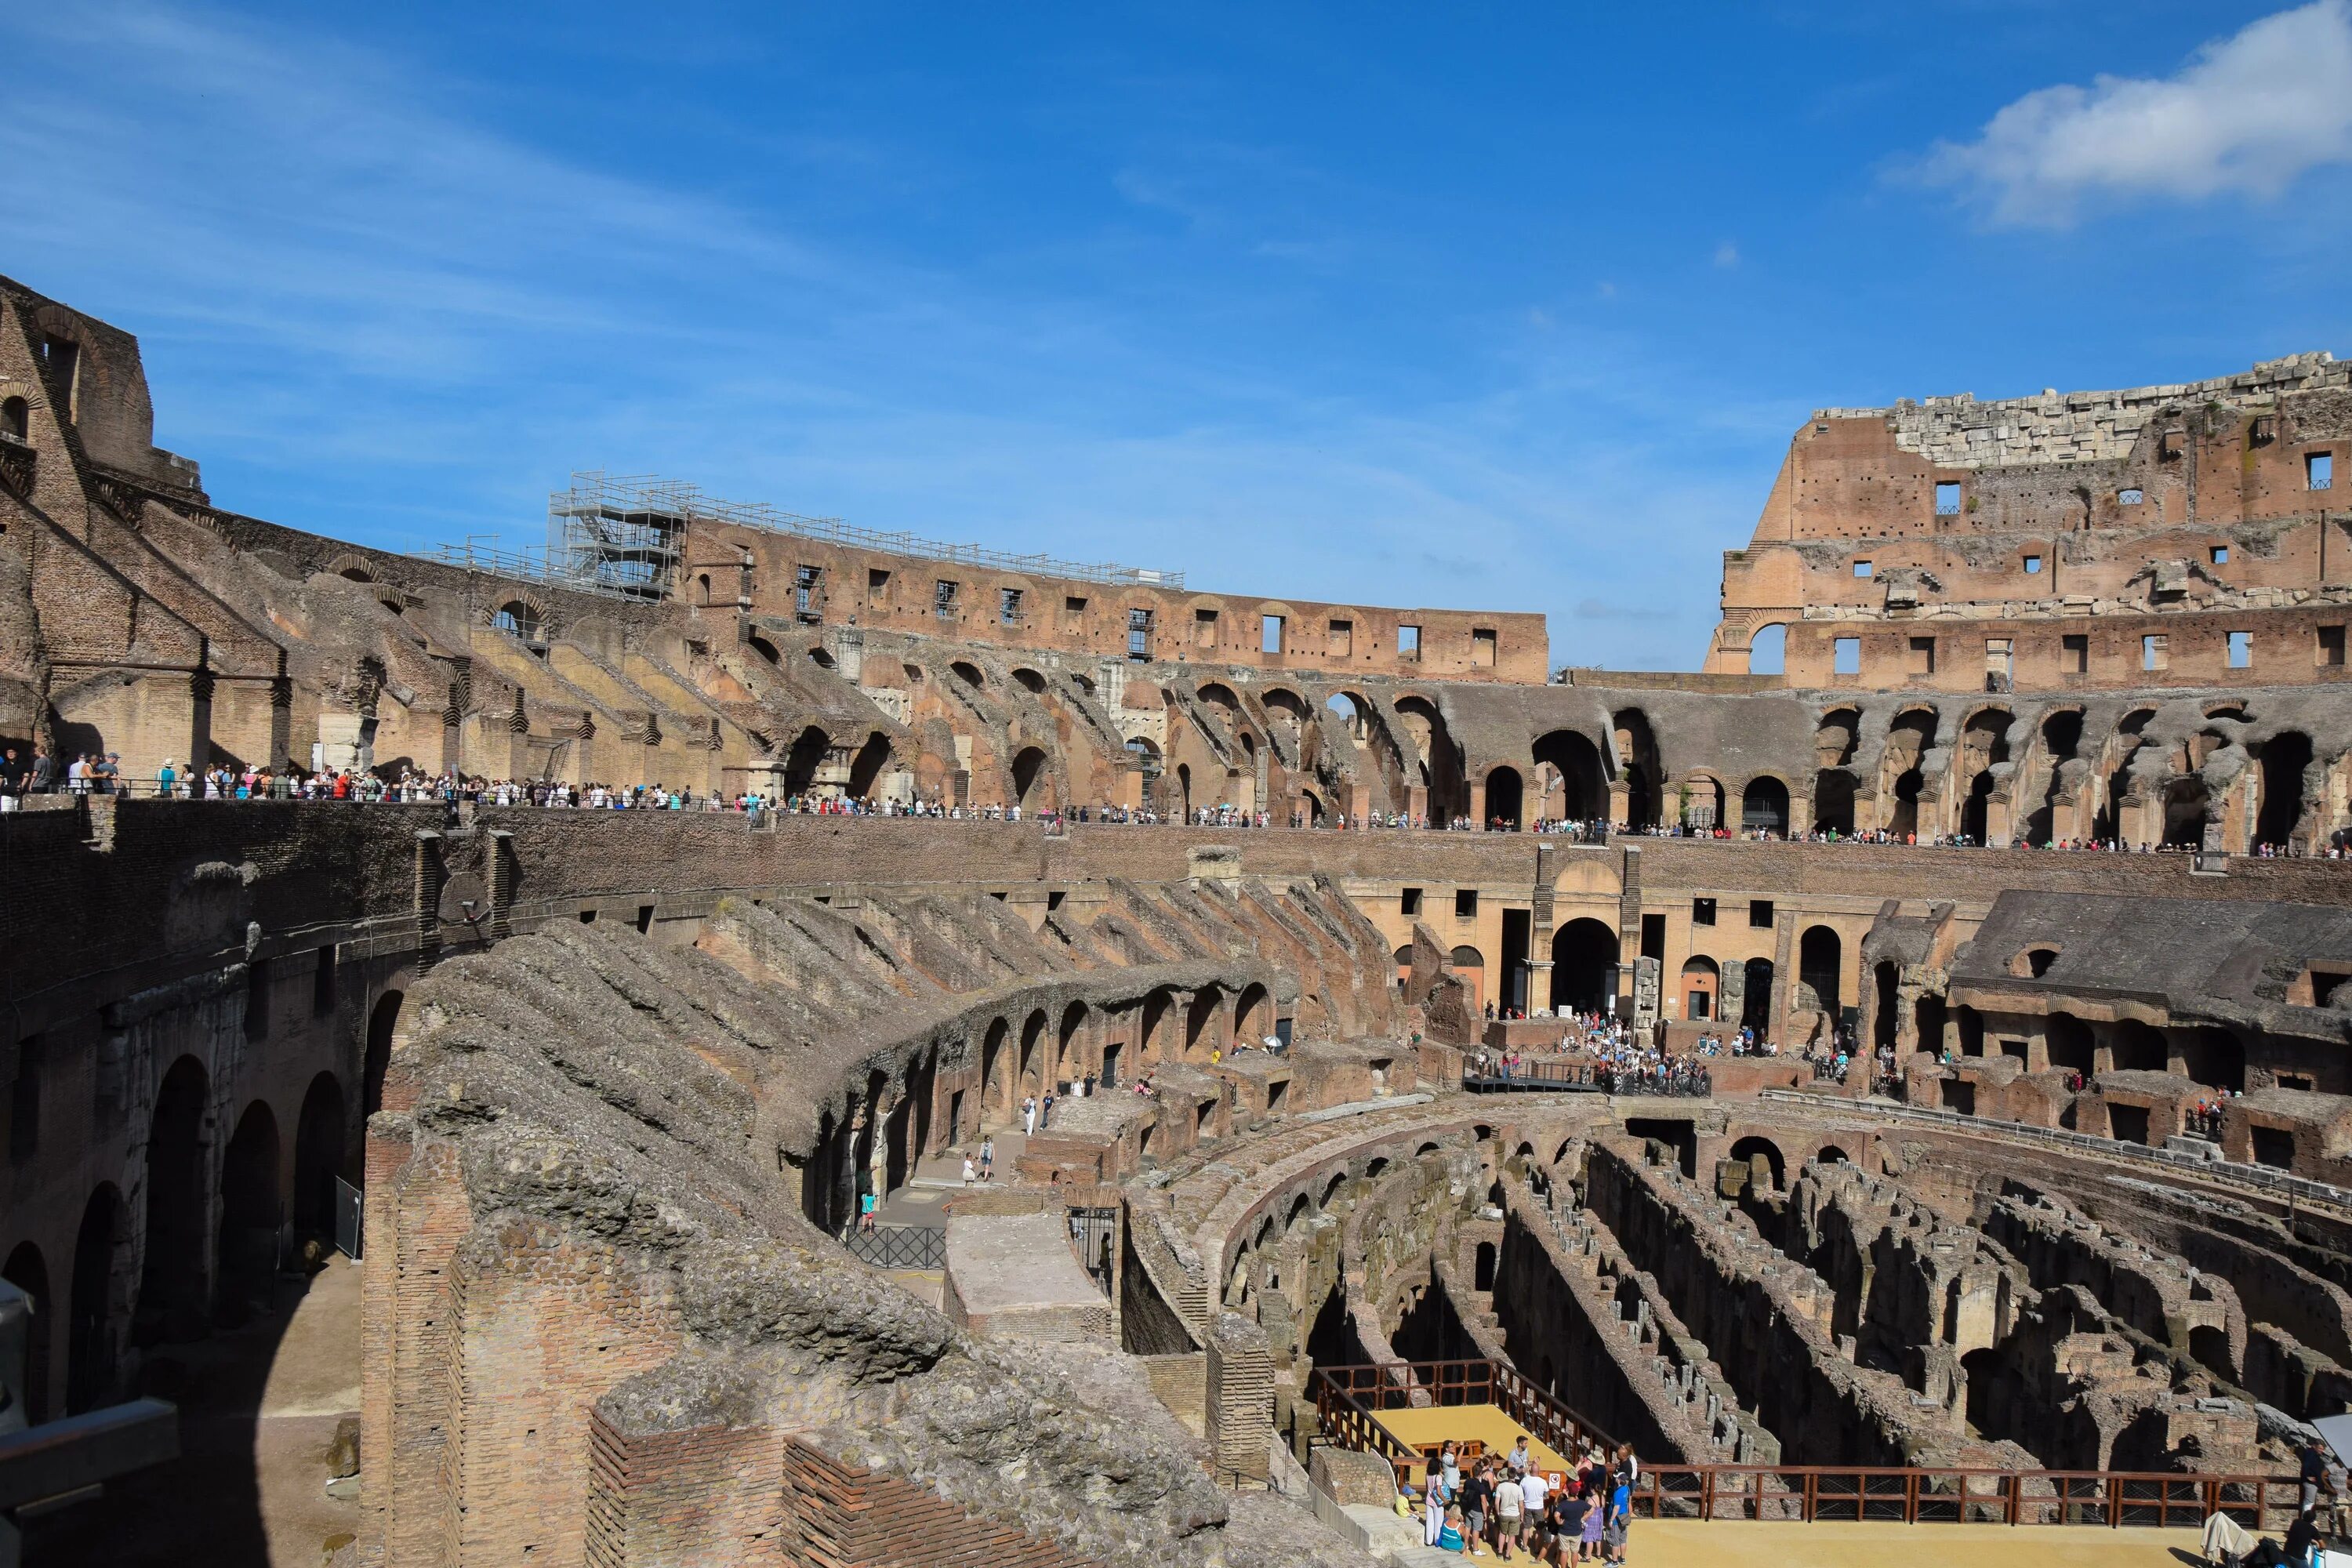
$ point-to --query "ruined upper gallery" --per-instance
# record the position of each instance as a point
(2040, 542)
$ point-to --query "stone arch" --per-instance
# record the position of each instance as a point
(1027, 1077)
(1885, 982)
(1470, 966)
(764, 648)
(1755, 1146)
(992, 1065)
(1702, 979)
(2139, 1048)
(2214, 1057)
(1756, 996)
(865, 769)
(806, 755)
(177, 1191)
(1033, 779)
(1029, 680)
(1253, 1015)
(1821, 956)
(1583, 778)
(1764, 805)
(1767, 649)
(1902, 767)
(1503, 796)
(383, 1020)
(1074, 1019)
(1833, 792)
(91, 1329)
(252, 1211)
(2188, 804)
(963, 669)
(319, 1157)
(1152, 1027)
(1584, 955)
(28, 1271)
(1638, 765)
(1831, 1155)
(521, 617)
(1835, 736)
(1702, 801)
(1200, 1021)
(2285, 758)
(15, 418)
(2067, 1041)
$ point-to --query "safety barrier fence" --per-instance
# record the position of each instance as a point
(1349, 1400)
(1808, 1493)
(900, 1246)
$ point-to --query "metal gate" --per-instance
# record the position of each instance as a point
(900, 1246)
(349, 1208)
(1093, 1232)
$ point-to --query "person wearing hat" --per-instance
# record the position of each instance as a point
(166, 777)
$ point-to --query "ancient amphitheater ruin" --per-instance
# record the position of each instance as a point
(493, 1179)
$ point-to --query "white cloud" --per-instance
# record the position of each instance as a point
(1727, 255)
(2246, 114)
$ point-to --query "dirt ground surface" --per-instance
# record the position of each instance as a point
(1687, 1543)
(258, 1409)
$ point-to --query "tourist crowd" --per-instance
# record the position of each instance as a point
(1507, 1504)
(100, 773)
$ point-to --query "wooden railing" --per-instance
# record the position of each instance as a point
(1805, 1493)
(1348, 1400)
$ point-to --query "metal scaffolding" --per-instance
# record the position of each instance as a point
(619, 535)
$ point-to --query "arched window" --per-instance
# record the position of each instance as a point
(517, 619)
(15, 419)
(1768, 650)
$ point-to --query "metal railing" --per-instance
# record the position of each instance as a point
(1928, 1495)
(900, 1246)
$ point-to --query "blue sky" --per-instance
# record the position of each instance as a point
(1461, 306)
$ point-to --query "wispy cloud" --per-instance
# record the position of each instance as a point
(2246, 115)
(1727, 255)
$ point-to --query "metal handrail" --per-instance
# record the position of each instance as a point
(1394, 1385)
(1959, 1495)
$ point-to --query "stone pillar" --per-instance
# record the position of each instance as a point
(1241, 1395)
(200, 728)
(1538, 983)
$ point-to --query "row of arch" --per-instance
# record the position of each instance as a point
(205, 1244)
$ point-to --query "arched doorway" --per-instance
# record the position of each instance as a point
(992, 1065)
(2285, 758)
(1583, 782)
(1032, 784)
(1820, 956)
(2067, 1040)
(1755, 997)
(1833, 801)
(2141, 1047)
(1253, 1015)
(29, 1272)
(1503, 792)
(1764, 807)
(172, 1293)
(383, 1019)
(247, 1253)
(1885, 979)
(89, 1323)
(2185, 803)
(1585, 965)
(318, 1156)
(1701, 978)
(1747, 1151)
(1470, 965)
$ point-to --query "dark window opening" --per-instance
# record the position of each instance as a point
(1654, 937)
(1759, 914)
(878, 585)
(943, 600)
(2331, 648)
(322, 983)
(1702, 912)
(1465, 903)
(1408, 902)
(2274, 1147)
(1008, 607)
(2075, 654)
(1139, 634)
(806, 600)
